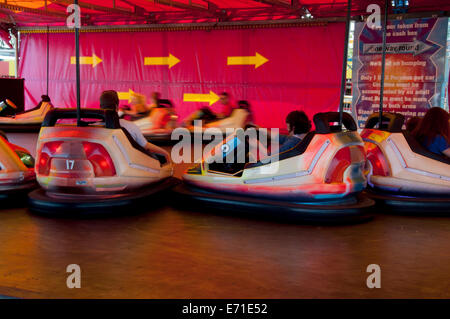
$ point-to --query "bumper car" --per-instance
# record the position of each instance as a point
(95, 166)
(240, 117)
(28, 121)
(320, 179)
(157, 126)
(17, 170)
(402, 175)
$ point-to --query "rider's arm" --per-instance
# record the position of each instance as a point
(446, 152)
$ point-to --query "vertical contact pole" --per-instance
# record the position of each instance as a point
(48, 50)
(383, 63)
(77, 62)
(344, 64)
(16, 54)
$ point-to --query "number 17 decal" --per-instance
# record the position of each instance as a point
(70, 164)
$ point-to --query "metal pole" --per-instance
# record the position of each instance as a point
(48, 50)
(77, 62)
(344, 63)
(383, 62)
(16, 54)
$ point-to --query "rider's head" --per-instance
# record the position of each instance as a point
(224, 98)
(109, 100)
(156, 96)
(297, 122)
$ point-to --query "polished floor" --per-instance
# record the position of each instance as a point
(179, 253)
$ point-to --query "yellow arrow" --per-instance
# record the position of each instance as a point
(125, 95)
(256, 60)
(94, 60)
(165, 60)
(211, 98)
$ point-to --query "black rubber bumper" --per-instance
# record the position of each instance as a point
(20, 128)
(39, 201)
(358, 209)
(18, 193)
(391, 203)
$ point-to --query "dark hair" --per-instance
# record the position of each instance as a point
(434, 123)
(298, 120)
(243, 104)
(412, 123)
(156, 95)
(109, 100)
(45, 98)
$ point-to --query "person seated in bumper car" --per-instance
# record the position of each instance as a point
(137, 108)
(225, 104)
(298, 125)
(109, 100)
(412, 124)
(207, 115)
(434, 131)
(155, 100)
(243, 104)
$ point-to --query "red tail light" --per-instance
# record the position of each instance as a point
(338, 165)
(100, 159)
(95, 153)
(375, 156)
(341, 161)
(47, 151)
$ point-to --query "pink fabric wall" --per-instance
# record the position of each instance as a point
(303, 71)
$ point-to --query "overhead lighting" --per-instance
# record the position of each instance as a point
(306, 13)
(400, 6)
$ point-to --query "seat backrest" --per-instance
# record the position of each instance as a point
(108, 117)
(297, 150)
(45, 101)
(391, 122)
(165, 103)
(417, 147)
(324, 122)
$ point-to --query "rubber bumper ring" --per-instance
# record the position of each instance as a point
(360, 210)
(410, 204)
(20, 128)
(39, 201)
(15, 196)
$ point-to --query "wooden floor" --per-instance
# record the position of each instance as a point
(176, 253)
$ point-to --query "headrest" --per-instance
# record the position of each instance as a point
(324, 122)
(243, 104)
(45, 98)
(165, 103)
(391, 122)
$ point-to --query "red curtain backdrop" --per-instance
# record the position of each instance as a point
(303, 69)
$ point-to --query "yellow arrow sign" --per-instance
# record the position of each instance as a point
(93, 60)
(211, 98)
(256, 60)
(165, 60)
(125, 95)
